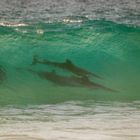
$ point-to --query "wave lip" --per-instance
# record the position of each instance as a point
(12, 24)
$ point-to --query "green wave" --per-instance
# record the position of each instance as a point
(110, 50)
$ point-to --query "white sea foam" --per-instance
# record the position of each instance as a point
(12, 24)
(68, 121)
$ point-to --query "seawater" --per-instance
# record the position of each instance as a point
(105, 48)
(71, 120)
(102, 37)
(34, 108)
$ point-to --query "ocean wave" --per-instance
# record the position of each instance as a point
(126, 11)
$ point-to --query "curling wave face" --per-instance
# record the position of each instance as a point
(106, 49)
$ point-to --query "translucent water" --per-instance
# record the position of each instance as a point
(107, 49)
(102, 37)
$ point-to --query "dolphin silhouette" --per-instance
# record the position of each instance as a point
(2, 75)
(55, 78)
(90, 84)
(67, 65)
(72, 81)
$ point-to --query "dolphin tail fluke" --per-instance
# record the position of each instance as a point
(108, 89)
(95, 75)
(98, 86)
(35, 60)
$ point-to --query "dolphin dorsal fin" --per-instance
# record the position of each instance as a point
(85, 78)
(68, 61)
(35, 60)
(53, 71)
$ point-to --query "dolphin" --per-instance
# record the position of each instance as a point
(90, 84)
(72, 81)
(57, 79)
(67, 65)
(2, 75)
